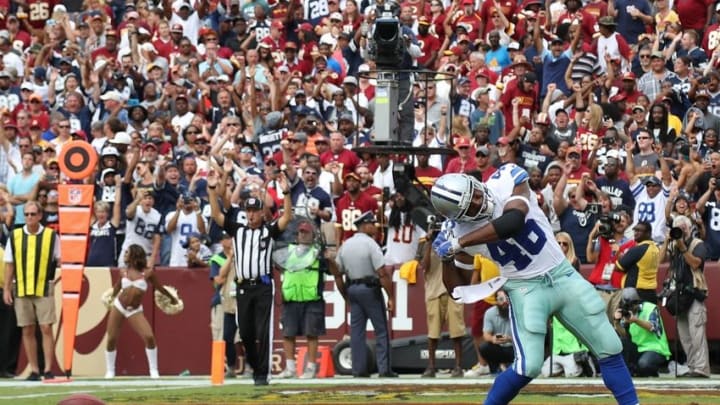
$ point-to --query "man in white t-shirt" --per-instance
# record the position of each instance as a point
(185, 15)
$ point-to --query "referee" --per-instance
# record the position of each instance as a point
(253, 245)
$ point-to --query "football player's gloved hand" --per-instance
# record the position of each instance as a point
(448, 227)
(445, 246)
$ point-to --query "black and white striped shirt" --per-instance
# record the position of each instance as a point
(253, 248)
(587, 65)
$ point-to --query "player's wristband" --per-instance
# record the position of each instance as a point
(464, 266)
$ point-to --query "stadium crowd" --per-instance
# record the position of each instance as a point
(612, 107)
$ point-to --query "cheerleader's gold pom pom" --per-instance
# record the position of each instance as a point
(107, 298)
(163, 301)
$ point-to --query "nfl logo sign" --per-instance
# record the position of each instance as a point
(75, 196)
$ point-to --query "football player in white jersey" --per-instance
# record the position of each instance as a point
(501, 219)
(144, 226)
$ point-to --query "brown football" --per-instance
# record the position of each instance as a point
(81, 399)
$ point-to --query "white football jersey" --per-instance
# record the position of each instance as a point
(533, 251)
(402, 243)
(140, 231)
(651, 210)
(184, 227)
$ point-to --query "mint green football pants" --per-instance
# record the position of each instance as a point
(562, 292)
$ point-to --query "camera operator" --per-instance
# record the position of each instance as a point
(684, 293)
(645, 345)
(639, 264)
(606, 242)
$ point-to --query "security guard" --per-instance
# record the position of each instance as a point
(303, 312)
(361, 260)
(31, 255)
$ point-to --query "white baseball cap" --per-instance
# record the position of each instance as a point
(121, 138)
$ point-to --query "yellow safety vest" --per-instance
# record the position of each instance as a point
(34, 262)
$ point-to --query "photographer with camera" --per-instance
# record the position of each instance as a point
(708, 206)
(684, 293)
(640, 326)
(605, 245)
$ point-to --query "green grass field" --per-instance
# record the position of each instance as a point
(406, 390)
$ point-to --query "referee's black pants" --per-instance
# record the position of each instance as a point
(254, 312)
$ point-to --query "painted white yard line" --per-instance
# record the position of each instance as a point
(204, 381)
(135, 384)
(98, 390)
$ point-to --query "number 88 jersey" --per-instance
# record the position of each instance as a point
(532, 251)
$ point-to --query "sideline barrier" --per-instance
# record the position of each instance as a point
(185, 342)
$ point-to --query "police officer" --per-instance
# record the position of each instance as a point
(361, 260)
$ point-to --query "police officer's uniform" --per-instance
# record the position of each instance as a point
(360, 258)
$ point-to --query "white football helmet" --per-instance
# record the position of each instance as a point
(452, 195)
